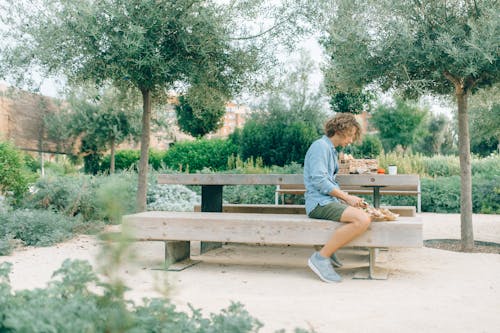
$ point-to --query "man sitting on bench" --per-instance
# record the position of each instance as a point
(323, 194)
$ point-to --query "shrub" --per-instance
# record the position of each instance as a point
(249, 194)
(442, 195)
(408, 164)
(93, 198)
(486, 194)
(370, 147)
(58, 193)
(260, 194)
(124, 160)
(69, 304)
(439, 165)
(177, 198)
(203, 153)
(36, 227)
(13, 178)
(31, 163)
(156, 159)
(486, 166)
(250, 165)
(115, 196)
(275, 142)
(64, 167)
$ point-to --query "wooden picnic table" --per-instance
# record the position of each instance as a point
(210, 226)
(212, 184)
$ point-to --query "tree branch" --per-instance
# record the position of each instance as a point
(452, 78)
(263, 32)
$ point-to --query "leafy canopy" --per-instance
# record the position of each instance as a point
(147, 43)
(414, 45)
(200, 111)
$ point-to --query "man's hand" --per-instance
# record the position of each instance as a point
(351, 200)
(354, 201)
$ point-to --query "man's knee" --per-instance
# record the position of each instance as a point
(362, 221)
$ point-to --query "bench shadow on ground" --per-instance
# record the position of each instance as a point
(276, 258)
(283, 256)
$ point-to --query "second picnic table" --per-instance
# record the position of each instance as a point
(212, 184)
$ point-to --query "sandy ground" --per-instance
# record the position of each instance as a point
(428, 290)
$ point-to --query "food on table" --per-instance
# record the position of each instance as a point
(379, 214)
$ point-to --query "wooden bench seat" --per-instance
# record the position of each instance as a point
(293, 229)
(412, 188)
(293, 209)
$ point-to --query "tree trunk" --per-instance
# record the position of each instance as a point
(465, 170)
(112, 157)
(143, 164)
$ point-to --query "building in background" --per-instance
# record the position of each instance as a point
(363, 118)
(235, 117)
(22, 121)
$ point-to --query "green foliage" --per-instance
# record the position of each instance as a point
(70, 304)
(350, 101)
(397, 44)
(156, 159)
(176, 198)
(128, 159)
(124, 160)
(275, 141)
(439, 165)
(486, 166)
(34, 227)
(93, 198)
(246, 194)
(433, 46)
(115, 196)
(150, 46)
(101, 118)
(442, 195)
(196, 155)
(13, 178)
(60, 194)
(31, 163)
(250, 165)
(200, 111)
(485, 121)
(486, 194)
(259, 194)
(398, 124)
(434, 133)
(370, 147)
(293, 99)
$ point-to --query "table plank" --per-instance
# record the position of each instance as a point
(230, 179)
(283, 179)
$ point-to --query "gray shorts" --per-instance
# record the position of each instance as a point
(332, 211)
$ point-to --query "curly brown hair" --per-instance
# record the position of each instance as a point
(341, 124)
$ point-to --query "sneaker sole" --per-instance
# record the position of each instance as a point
(315, 270)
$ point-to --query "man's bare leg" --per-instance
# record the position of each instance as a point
(356, 222)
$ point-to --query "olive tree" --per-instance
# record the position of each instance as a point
(443, 47)
(150, 45)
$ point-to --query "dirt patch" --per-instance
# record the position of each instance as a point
(456, 245)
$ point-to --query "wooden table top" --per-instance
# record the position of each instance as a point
(281, 179)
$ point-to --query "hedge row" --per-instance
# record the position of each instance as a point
(442, 195)
(186, 156)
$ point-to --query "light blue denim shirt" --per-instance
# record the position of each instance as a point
(320, 170)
